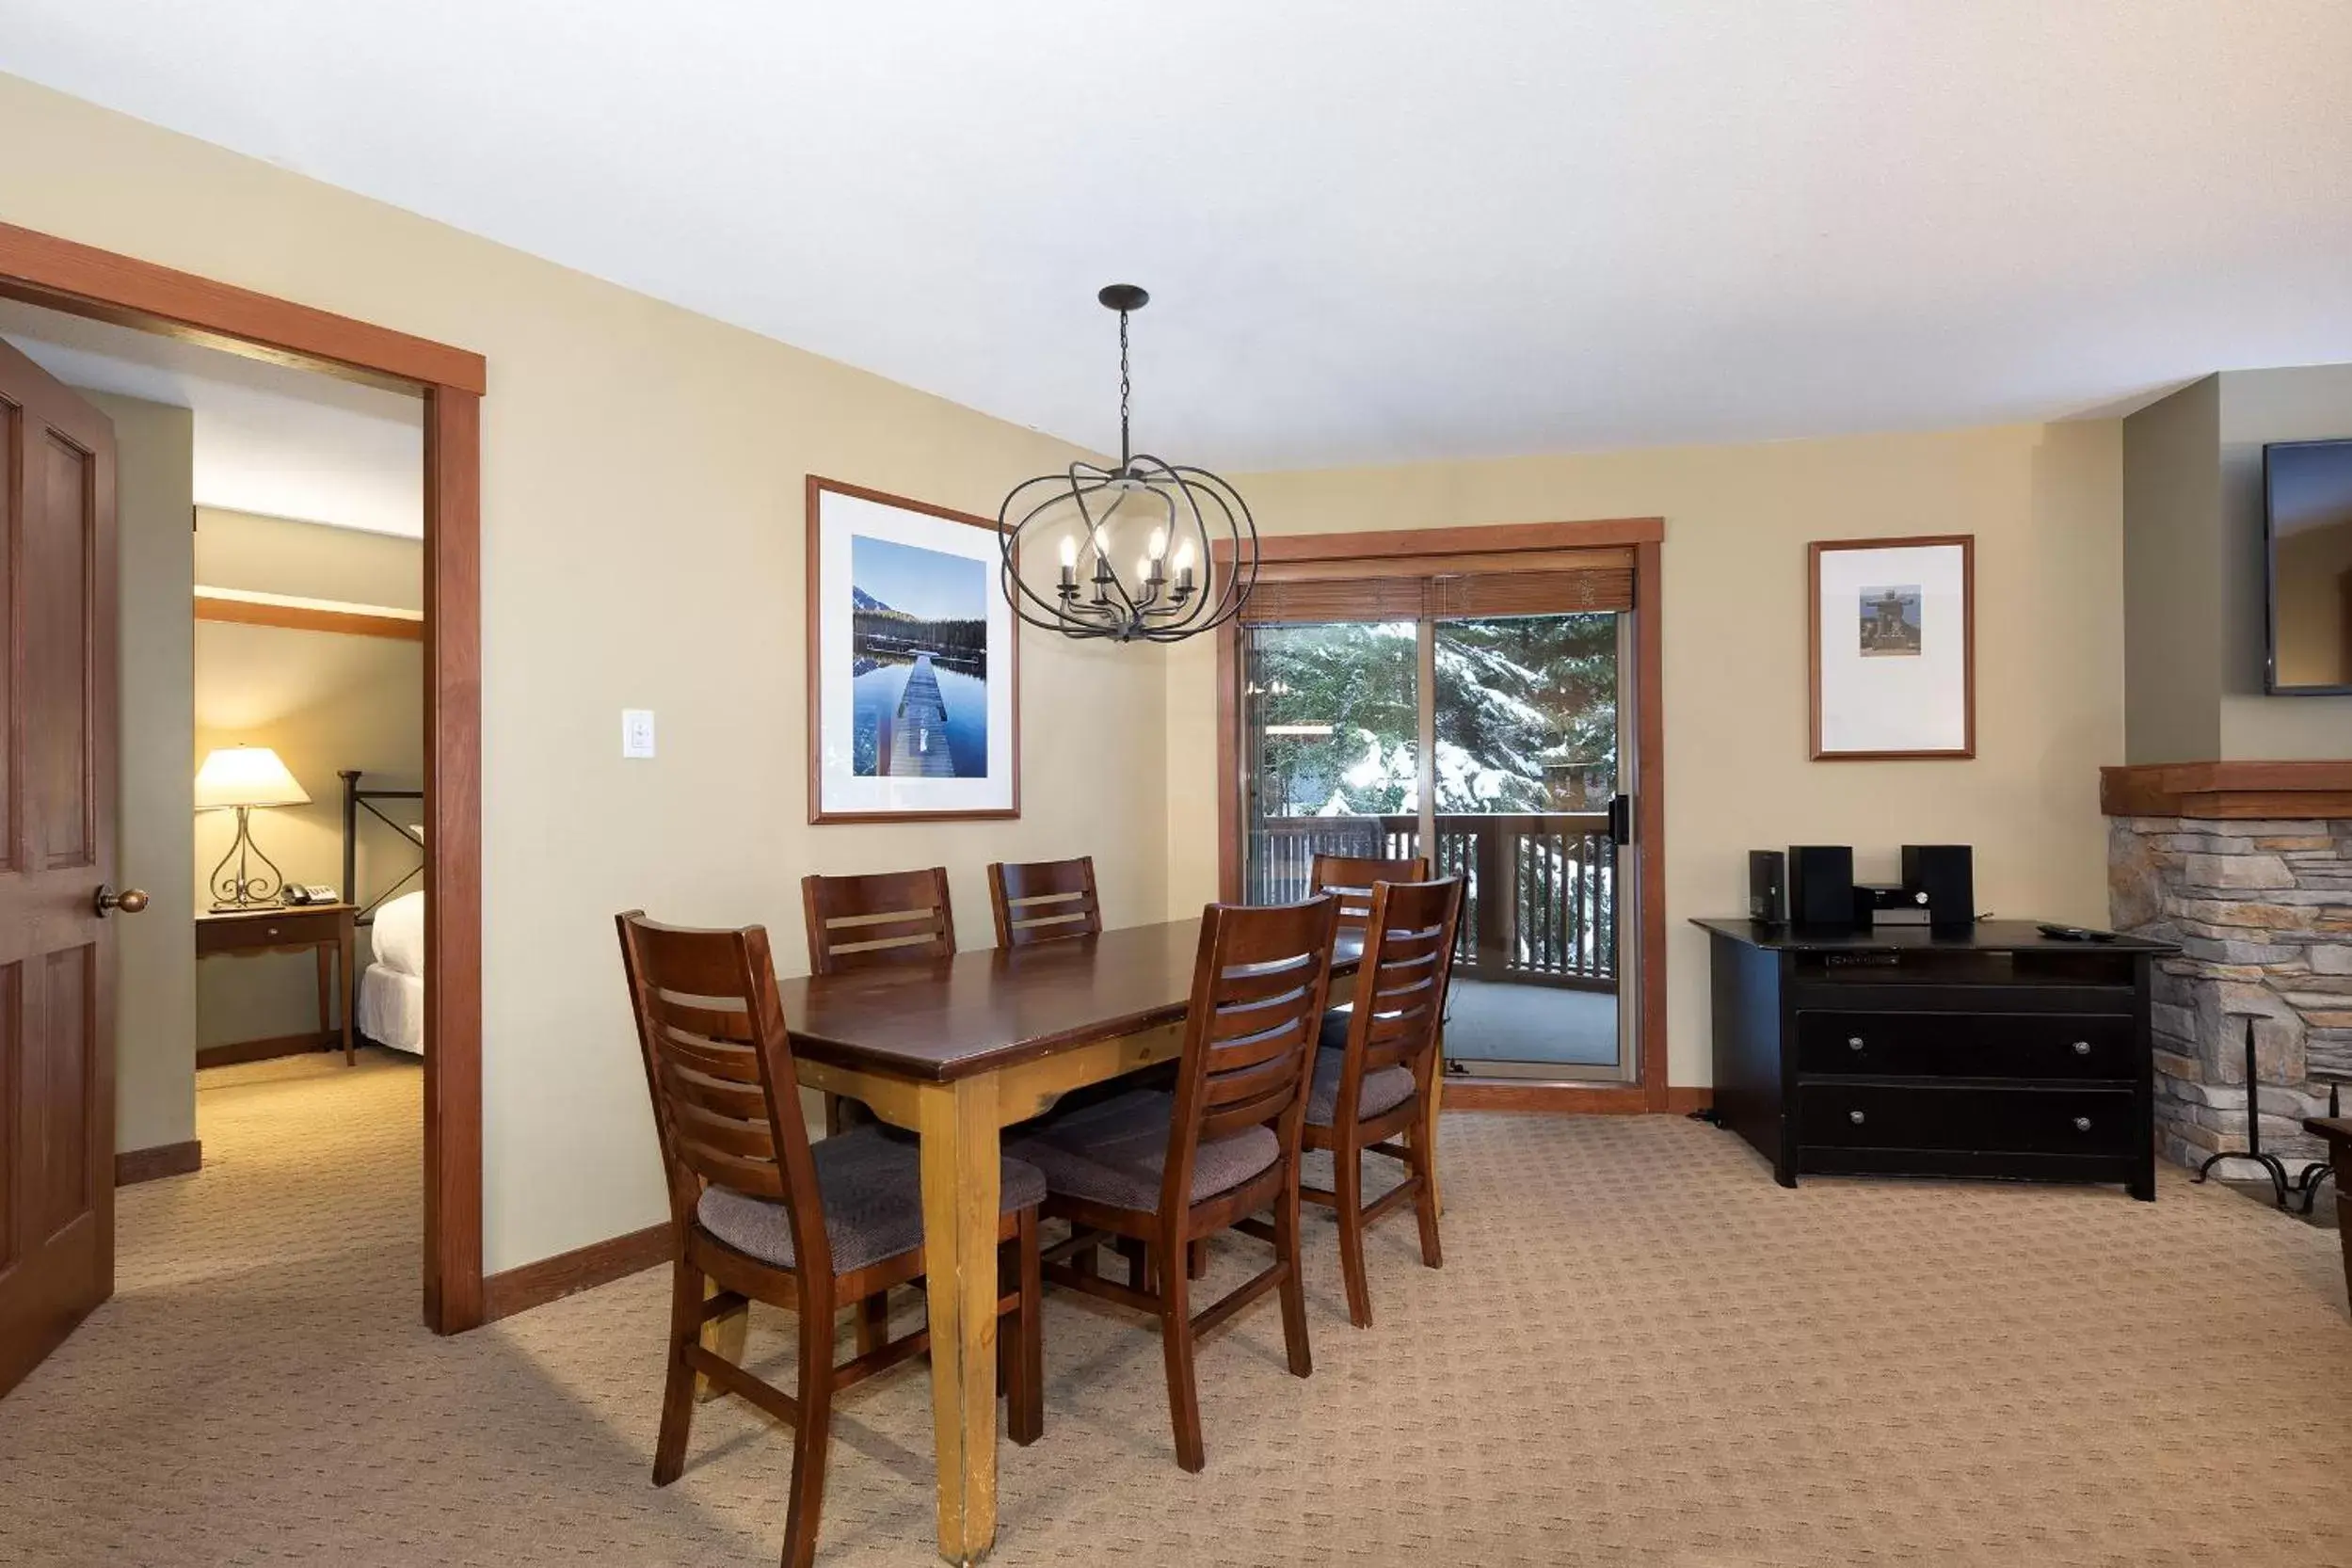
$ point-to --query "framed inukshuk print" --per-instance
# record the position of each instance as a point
(914, 663)
(1893, 659)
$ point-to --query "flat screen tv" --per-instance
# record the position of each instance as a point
(2307, 531)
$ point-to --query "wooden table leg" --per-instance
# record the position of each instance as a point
(957, 1123)
(325, 955)
(1436, 1099)
(348, 946)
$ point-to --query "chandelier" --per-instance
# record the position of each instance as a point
(1164, 519)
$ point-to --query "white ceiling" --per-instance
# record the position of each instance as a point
(1373, 232)
(281, 443)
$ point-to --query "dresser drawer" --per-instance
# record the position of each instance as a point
(2022, 1121)
(1966, 1045)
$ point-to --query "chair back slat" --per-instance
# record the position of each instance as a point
(1258, 988)
(1043, 900)
(859, 922)
(1401, 987)
(719, 1069)
(1349, 878)
(711, 1057)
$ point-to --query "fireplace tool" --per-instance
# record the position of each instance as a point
(2306, 1184)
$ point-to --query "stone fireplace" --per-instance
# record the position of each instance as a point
(2249, 867)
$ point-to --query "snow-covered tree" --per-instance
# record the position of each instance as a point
(1526, 719)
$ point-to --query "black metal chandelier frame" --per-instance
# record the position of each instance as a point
(1171, 594)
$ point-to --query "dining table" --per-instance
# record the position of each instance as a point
(956, 1049)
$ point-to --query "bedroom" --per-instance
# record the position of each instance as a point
(271, 562)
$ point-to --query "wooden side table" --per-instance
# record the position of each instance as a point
(327, 929)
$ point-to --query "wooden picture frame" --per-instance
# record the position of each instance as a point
(1912, 599)
(858, 762)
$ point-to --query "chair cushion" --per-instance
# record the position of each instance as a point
(1115, 1153)
(1335, 1024)
(873, 1191)
(1381, 1091)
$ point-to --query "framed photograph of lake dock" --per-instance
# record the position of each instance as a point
(914, 662)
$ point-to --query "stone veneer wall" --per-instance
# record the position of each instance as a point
(2263, 911)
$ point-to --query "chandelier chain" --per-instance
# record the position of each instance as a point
(1124, 386)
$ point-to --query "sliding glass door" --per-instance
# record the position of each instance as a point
(1527, 748)
(1491, 743)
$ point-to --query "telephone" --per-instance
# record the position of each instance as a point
(316, 892)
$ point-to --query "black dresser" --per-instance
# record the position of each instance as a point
(1998, 1052)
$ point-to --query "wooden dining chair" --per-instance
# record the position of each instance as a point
(864, 922)
(1349, 878)
(1044, 901)
(859, 922)
(1379, 1060)
(1167, 1170)
(760, 1213)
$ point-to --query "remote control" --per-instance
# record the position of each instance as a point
(2075, 933)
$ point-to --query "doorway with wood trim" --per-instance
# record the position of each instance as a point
(56, 904)
(1485, 697)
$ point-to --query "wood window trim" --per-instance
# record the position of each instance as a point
(1476, 539)
(81, 280)
(1345, 555)
(357, 620)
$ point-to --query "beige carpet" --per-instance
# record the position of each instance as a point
(1640, 1351)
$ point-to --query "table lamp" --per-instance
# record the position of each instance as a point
(239, 779)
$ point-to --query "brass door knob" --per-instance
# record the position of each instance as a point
(129, 900)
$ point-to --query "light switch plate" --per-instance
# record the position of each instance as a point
(636, 733)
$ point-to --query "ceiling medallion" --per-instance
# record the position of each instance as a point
(1166, 520)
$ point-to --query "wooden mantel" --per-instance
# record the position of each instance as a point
(2227, 789)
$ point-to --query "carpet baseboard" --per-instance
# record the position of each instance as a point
(513, 1290)
(269, 1049)
(163, 1159)
(1582, 1099)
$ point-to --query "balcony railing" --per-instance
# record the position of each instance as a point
(1539, 904)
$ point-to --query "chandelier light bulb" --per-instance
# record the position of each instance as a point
(1070, 551)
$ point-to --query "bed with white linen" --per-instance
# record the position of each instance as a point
(390, 1009)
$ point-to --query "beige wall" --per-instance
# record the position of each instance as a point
(155, 977)
(2173, 634)
(277, 555)
(324, 702)
(642, 473)
(2045, 505)
(2303, 403)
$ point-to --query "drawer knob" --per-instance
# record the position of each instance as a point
(1856, 1117)
(1853, 1042)
(2082, 1124)
(2082, 1047)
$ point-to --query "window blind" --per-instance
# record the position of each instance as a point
(1553, 592)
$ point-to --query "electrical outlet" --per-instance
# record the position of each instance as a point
(636, 733)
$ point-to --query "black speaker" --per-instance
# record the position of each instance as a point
(1947, 873)
(1768, 887)
(1821, 885)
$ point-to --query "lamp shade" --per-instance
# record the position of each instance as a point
(245, 775)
